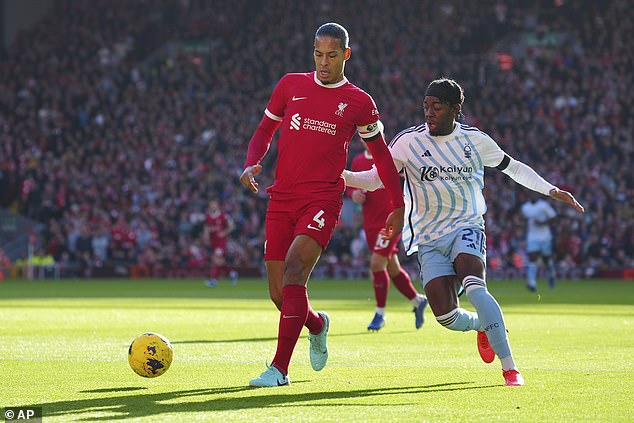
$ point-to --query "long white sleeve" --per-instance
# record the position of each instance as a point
(368, 179)
(526, 176)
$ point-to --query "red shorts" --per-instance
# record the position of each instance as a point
(218, 243)
(285, 219)
(378, 244)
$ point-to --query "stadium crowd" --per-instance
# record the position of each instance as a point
(120, 120)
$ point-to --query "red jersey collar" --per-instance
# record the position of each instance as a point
(321, 84)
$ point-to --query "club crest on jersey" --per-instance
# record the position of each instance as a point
(467, 151)
(341, 108)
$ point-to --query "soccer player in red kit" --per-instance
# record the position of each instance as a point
(384, 262)
(318, 112)
(218, 226)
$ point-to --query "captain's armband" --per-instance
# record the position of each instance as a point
(370, 130)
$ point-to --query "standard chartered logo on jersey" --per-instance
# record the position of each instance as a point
(446, 173)
(312, 125)
(295, 121)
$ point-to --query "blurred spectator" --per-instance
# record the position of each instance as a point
(5, 266)
(131, 116)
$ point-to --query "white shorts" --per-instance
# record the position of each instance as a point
(436, 257)
(541, 246)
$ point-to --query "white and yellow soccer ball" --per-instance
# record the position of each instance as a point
(150, 354)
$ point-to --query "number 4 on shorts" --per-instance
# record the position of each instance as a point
(321, 222)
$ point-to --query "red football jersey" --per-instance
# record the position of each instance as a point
(217, 223)
(317, 124)
(377, 206)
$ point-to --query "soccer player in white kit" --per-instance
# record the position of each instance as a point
(443, 162)
(539, 240)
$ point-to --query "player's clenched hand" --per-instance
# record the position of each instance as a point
(394, 223)
(248, 177)
(566, 197)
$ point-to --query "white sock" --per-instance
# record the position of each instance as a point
(381, 311)
(508, 363)
(417, 300)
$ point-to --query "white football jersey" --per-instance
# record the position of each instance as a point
(538, 214)
(444, 178)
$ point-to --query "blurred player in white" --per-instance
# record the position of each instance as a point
(539, 240)
(444, 163)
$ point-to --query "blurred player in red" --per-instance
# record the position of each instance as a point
(384, 262)
(318, 114)
(218, 226)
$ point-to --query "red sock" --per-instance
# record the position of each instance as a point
(403, 283)
(292, 319)
(314, 322)
(215, 272)
(225, 269)
(381, 281)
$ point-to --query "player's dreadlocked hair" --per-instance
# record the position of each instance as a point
(334, 30)
(448, 91)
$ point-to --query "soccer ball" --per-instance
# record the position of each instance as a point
(150, 354)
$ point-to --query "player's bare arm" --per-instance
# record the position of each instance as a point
(248, 177)
(206, 235)
(567, 198)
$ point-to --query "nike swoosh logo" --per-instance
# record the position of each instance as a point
(312, 227)
(289, 317)
(298, 98)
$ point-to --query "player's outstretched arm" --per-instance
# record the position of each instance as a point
(367, 179)
(526, 176)
(567, 198)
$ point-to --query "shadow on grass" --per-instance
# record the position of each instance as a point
(224, 341)
(240, 340)
(107, 390)
(139, 405)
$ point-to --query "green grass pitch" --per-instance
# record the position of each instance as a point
(63, 346)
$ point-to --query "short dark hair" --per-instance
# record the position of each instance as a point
(446, 90)
(334, 30)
